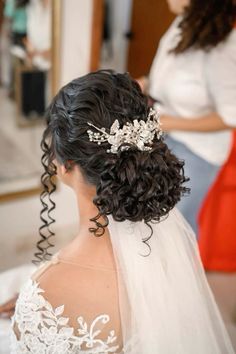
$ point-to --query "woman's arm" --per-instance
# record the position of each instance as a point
(7, 309)
(208, 123)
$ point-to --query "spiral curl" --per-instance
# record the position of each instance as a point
(48, 205)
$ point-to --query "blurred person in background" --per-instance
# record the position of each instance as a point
(31, 30)
(38, 42)
(15, 12)
(15, 28)
(192, 80)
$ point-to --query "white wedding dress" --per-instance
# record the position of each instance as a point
(156, 304)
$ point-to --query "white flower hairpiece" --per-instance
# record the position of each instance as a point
(138, 133)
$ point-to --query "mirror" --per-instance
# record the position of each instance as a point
(29, 44)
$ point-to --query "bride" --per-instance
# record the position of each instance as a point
(131, 281)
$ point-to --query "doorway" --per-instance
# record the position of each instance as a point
(130, 33)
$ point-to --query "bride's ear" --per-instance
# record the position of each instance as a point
(65, 168)
(64, 171)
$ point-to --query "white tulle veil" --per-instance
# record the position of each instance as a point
(166, 304)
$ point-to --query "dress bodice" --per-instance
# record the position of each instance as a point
(42, 328)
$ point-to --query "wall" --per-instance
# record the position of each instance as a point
(120, 17)
(76, 38)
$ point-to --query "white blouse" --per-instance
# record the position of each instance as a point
(196, 83)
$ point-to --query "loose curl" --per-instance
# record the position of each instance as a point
(205, 24)
(131, 185)
(48, 205)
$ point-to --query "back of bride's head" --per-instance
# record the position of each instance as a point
(135, 174)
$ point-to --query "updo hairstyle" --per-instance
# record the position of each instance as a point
(131, 185)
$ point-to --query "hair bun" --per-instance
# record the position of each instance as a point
(141, 185)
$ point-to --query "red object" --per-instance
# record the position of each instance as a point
(217, 219)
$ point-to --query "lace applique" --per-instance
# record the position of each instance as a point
(43, 330)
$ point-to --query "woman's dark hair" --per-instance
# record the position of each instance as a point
(205, 23)
(131, 185)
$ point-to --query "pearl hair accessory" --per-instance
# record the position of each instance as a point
(137, 133)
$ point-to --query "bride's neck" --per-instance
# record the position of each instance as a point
(86, 247)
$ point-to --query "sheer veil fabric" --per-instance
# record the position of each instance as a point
(145, 304)
(166, 305)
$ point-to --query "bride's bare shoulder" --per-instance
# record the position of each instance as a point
(64, 280)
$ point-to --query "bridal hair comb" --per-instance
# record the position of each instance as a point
(138, 133)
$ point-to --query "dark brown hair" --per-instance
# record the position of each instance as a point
(131, 185)
(206, 23)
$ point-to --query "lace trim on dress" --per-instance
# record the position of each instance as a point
(43, 330)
